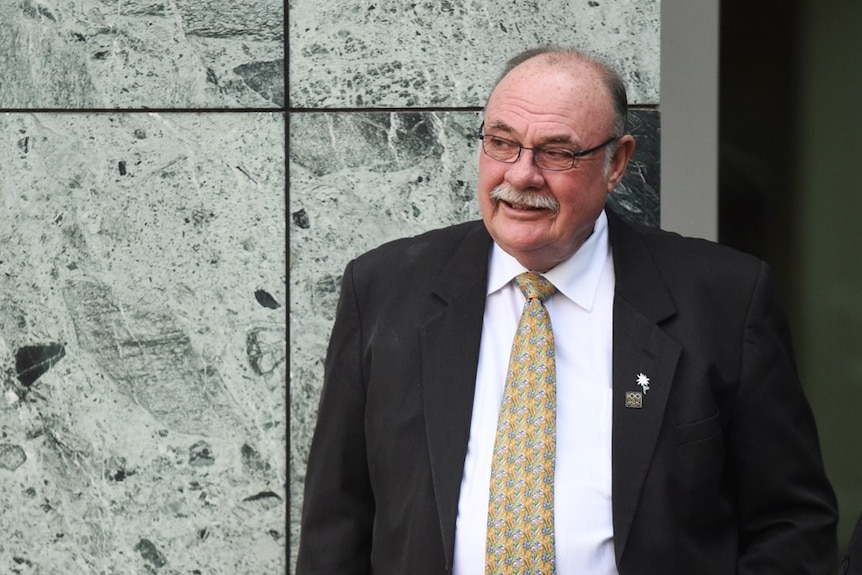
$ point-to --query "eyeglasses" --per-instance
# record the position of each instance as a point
(545, 157)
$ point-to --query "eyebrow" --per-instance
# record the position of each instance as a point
(503, 127)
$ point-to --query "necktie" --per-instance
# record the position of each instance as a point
(521, 506)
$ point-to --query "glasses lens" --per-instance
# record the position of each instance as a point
(554, 158)
(500, 148)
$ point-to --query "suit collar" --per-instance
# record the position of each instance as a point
(641, 349)
(637, 278)
(460, 275)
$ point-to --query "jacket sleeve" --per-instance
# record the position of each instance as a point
(786, 508)
(338, 506)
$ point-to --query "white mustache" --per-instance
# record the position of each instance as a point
(510, 195)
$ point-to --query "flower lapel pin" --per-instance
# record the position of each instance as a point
(643, 381)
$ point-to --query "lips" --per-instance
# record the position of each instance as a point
(522, 206)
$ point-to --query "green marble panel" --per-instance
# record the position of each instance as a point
(142, 54)
(142, 343)
(433, 53)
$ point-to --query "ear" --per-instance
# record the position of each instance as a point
(620, 160)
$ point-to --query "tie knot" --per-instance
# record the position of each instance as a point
(535, 286)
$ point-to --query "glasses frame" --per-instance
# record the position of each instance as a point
(575, 155)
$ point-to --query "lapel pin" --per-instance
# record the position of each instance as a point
(643, 381)
(634, 400)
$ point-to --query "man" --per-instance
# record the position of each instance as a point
(680, 440)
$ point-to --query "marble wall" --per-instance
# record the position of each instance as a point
(385, 101)
(143, 274)
(142, 287)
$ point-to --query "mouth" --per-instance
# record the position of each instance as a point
(524, 201)
(526, 207)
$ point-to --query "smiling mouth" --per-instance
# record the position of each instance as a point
(523, 206)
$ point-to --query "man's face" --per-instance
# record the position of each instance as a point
(538, 106)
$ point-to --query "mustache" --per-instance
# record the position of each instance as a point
(512, 195)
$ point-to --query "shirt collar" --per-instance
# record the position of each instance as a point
(577, 278)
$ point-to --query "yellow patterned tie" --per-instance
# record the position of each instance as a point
(521, 506)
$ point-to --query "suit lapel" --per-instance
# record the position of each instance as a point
(641, 350)
(450, 355)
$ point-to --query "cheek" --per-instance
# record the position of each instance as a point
(491, 170)
(580, 198)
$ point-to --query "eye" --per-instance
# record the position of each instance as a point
(558, 154)
(500, 144)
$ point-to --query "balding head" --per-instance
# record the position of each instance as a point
(574, 61)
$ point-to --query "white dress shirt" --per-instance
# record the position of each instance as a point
(582, 318)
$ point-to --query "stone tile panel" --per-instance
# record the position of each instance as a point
(98, 54)
(142, 343)
(434, 53)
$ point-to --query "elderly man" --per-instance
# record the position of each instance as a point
(553, 390)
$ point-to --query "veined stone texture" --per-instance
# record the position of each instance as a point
(428, 53)
(142, 350)
(357, 180)
(142, 54)
(360, 179)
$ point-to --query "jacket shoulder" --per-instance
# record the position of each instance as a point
(421, 253)
(685, 257)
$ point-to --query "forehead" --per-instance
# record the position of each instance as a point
(536, 98)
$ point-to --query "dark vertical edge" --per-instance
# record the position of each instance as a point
(286, 118)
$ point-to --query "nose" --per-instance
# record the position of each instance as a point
(523, 173)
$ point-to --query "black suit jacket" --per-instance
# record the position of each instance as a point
(852, 563)
(718, 472)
